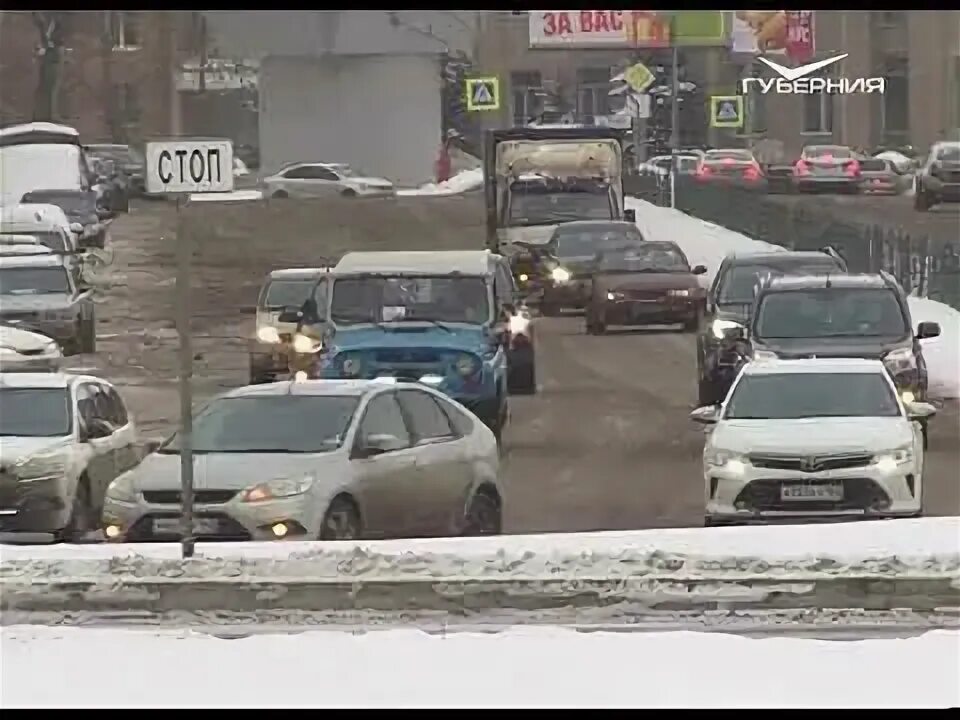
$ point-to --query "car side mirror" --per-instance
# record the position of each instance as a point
(373, 445)
(706, 415)
(630, 215)
(920, 410)
(76, 228)
(700, 270)
(926, 330)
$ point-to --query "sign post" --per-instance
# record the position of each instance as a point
(180, 167)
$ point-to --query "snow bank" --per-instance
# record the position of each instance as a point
(459, 183)
(707, 244)
(522, 667)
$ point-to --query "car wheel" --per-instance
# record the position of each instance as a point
(80, 515)
(921, 201)
(549, 309)
(596, 327)
(280, 194)
(483, 515)
(705, 393)
(522, 378)
(341, 521)
(692, 324)
(349, 192)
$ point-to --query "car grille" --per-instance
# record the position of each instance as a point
(418, 357)
(200, 497)
(644, 294)
(810, 463)
(228, 529)
(858, 494)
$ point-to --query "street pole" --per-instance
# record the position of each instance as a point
(674, 109)
(184, 261)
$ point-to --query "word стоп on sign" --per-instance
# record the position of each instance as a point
(189, 166)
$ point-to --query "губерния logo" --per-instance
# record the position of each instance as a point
(795, 81)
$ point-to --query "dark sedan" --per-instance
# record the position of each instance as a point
(648, 284)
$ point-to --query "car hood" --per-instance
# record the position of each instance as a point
(23, 341)
(851, 347)
(33, 303)
(736, 312)
(646, 281)
(410, 334)
(13, 449)
(533, 234)
(231, 471)
(812, 435)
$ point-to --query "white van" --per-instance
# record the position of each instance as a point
(36, 156)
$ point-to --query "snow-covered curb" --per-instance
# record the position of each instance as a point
(460, 183)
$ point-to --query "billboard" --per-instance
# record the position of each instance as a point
(773, 32)
(557, 29)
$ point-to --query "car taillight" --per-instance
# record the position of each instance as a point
(853, 168)
(751, 173)
(802, 167)
(703, 171)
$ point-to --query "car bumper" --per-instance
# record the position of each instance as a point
(63, 331)
(38, 506)
(756, 493)
(827, 183)
(756, 185)
(949, 191)
(573, 294)
(230, 521)
(643, 312)
(268, 362)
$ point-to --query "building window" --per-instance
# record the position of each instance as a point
(524, 88)
(818, 113)
(895, 113)
(593, 92)
(128, 103)
(125, 29)
(892, 18)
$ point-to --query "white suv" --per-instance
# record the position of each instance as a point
(818, 438)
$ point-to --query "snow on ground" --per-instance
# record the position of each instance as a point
(926, 543)
(459, 183)
(707, 244)
(45, 667)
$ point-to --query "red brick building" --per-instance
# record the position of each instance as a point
(117, 81)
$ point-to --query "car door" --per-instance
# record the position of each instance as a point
(293, 181)
(125, 436)
(709, 314)
(444, 470)
(324, 182)
(388, 483)
(100, 469)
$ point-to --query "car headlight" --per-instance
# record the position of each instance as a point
(560, 275)
(350, 366)
(122, 490)
(305, 344)
(891, 461)
(900, 359)
(727, 461)
(523, 277)
(614, 296)
(761, 355)
(466, 365)
(907, 397)
(275, 489)
(679, 293)
(268, 334)
(720, 327)
(518, 324)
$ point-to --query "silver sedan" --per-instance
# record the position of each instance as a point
(319, 459)
(26, 351)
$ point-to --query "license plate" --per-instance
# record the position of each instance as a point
(171, 526)
(820, 491)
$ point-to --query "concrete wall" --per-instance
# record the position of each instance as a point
(380, 113)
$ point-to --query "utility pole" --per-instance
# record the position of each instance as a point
(674, 108)
(202, 78)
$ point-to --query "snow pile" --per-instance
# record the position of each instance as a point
(459, 183)
(523, 667)
(706, 244)
(928, 547)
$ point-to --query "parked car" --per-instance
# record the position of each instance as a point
(320, 459)
(732, 167)
(128, 159)
(25, 351)
(63, 439)
(48, 226)
(112, 186)
(939, 179)
(827, 168)
(303, 180)
(879, 177)
(80, 207)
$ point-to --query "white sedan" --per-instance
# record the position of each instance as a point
(309, 180)
(321, 460)
(25, 351)
(818, 438)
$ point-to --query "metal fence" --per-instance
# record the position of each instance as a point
(928, 266)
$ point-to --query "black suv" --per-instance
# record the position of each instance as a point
(859, 316)
(721, 341)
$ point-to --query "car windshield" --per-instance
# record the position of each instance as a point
(532, 207)
(289, 293)
(380, 298)
(582, 243)
(831, 312)
(34, 281)
(950, 153)
(827, 152)
(741, 282)
(34, 412)
(792, 396)
(271, 424)
(76, 205)
(648, 257)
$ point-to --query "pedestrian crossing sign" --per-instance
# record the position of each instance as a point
(726, 111)
(483, 93)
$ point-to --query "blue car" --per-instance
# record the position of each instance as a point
(439, 318)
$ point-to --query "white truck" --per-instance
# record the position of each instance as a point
(536, 178)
